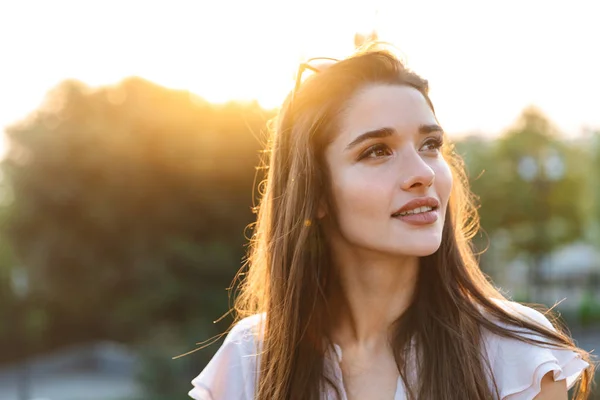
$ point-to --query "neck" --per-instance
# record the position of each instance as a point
(370, 293)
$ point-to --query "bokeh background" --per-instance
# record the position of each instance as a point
(131, 135)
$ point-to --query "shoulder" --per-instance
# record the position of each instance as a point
(231, 373)
(524, 312)
(520, 368)
(247, 330)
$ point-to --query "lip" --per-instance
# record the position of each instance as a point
(418, 202)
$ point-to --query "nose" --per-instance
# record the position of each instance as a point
(418, 174)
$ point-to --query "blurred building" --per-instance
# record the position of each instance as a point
(96, 371)
(571, 273)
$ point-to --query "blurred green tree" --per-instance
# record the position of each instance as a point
(530, 185)
(594, 184)
(130, 205)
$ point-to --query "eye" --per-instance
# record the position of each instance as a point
(432, 144)
(376, 151)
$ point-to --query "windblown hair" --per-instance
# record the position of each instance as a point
(290, 272)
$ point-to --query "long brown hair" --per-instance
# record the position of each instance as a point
(289, 264)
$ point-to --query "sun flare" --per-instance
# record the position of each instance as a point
(482, 75)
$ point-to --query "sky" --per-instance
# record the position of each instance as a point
(485, 60)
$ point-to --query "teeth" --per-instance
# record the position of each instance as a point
(417, 210)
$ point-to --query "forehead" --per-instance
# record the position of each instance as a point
(384, 105)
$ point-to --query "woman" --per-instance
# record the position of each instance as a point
(362, 283)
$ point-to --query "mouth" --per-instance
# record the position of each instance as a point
(415, 211)
(419, 211)
(418, 216)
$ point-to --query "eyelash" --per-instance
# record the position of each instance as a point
(436, 142)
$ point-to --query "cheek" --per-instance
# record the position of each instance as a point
(443, 181)
(360, 194)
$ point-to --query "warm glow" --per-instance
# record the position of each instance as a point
(485, 61)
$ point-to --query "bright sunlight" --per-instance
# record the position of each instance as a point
(483, 71)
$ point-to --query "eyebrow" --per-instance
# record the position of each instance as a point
(386, 132)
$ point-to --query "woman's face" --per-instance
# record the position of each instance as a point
(385, 155)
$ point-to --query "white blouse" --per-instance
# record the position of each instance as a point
(518, 367)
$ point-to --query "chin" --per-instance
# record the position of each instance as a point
(424, 252)
(420, 249)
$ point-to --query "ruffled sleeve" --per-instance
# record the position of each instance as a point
(231, 373)
(519, 367)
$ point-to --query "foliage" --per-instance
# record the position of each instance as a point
(593, 184)
(160, 376)
(529, 183)
(130, 205)
(589, 310)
